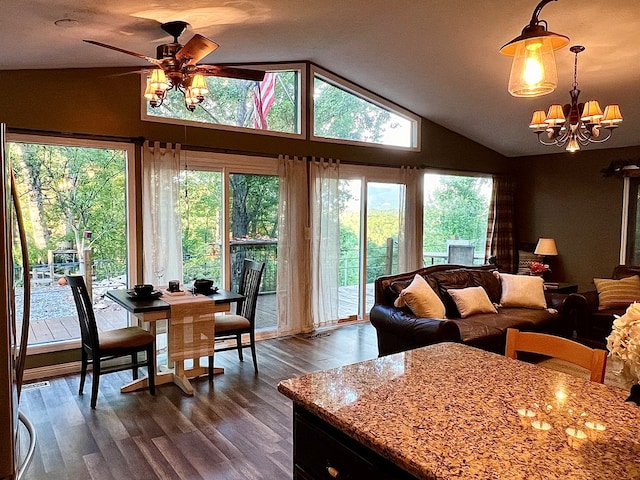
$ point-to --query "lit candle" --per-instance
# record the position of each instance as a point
(560, 399)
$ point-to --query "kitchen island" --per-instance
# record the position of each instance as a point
(449, 411)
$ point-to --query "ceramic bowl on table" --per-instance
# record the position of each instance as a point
(143, 289)
(203, 285)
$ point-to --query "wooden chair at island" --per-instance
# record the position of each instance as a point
(592, 359)
(101, 346)
(233, 326)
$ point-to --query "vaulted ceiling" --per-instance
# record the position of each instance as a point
(437, 58)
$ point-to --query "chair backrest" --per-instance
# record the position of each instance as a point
(249, 287)
(460, 254)
(593, 359)
(86, 317)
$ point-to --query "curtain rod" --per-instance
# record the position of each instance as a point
(81, 136)
(199, 148)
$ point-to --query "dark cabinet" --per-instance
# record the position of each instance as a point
(321, 452)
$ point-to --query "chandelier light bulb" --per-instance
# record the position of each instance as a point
(533, 73)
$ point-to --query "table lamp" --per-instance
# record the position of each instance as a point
(546, 247)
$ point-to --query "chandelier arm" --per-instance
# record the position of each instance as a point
(548, 144)
(601, 140)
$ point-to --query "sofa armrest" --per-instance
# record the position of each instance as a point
(398, 330)
(574, 313)
(592, 300)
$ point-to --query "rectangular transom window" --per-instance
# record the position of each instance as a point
(271, 106)
(347, 113)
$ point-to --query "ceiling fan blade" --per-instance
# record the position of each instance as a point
(221, 71)
(196, 49)
(139, 55)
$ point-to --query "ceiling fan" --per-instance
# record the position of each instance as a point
(177, 67)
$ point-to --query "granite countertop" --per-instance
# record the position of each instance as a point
(449, 411)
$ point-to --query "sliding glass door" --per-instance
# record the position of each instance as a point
(370, 221)
(229, 213)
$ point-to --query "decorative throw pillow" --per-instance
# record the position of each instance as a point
(617, 293)
(522, 291)
(472, 300)
(421, 299)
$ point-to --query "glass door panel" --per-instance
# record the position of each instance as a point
(384, 201)
(350, 261)
(73, 198)
(202, 214)
(253, 213)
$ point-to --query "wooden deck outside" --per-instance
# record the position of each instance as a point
(113, 316)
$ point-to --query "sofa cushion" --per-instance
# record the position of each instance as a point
(484, 325)
(617, 293)
(487, 280)
(471, 300)
(421, 299)
(451, 279)
(522, 291)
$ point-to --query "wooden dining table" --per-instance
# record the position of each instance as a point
(454, 412)
(192, 339)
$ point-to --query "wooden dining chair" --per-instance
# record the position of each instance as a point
(106, 345)
(233, 326)
(593, 359)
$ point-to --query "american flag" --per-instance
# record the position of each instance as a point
(263, 97)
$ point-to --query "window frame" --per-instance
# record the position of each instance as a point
(302, 105)
(368, 96)
(131, 215)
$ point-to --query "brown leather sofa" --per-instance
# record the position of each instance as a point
(596, 326)
(398, 329)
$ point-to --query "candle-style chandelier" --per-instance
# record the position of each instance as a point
(575, 123)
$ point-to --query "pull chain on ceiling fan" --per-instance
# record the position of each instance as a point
(177, 67)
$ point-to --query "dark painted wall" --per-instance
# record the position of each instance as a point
(566, 197)
(99, 101)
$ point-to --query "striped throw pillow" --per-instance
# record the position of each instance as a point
(617, 293)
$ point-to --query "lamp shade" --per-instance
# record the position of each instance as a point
(537, 121)
(612, 116)
(546, 247)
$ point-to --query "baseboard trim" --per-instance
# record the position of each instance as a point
(51, 371)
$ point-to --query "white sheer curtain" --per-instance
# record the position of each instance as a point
(411, 209)
(293, 247)
(161, 222)
(325, 239)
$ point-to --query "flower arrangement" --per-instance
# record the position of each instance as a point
(538, 268)
(624, 344)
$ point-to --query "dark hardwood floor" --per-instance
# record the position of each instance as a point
(238, 427)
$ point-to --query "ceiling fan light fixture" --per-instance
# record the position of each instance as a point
(177, 67)
(199, 86)
(533, 70)
(158, 80)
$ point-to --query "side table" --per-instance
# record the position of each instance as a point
(561, 287)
